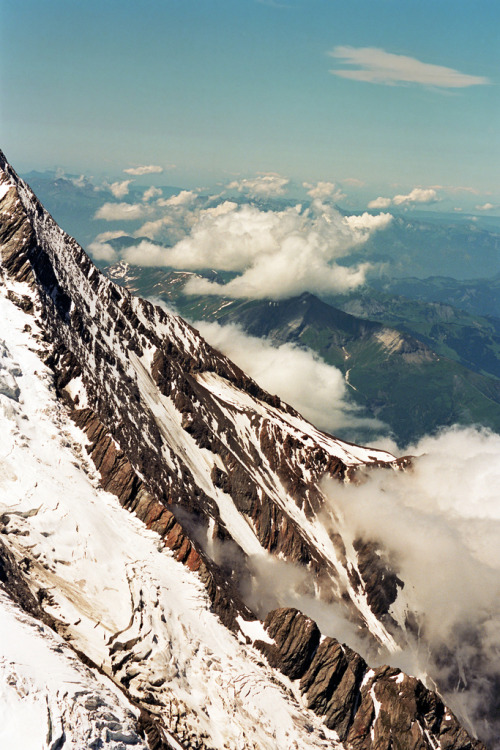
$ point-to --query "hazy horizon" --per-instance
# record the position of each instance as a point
(392, 104)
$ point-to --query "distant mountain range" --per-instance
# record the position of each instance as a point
(475, 296)
(419, 244)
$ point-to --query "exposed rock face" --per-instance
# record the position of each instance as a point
(158, 404)
(296, 639)
(204, 457)
(370, 709)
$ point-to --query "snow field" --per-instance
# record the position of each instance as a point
(120, 597)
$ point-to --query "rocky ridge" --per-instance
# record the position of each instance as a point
(204, 458)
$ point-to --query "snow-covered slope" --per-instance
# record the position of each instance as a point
(118, 596)
(142, 473)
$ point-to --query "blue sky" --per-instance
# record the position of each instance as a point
(214, 90)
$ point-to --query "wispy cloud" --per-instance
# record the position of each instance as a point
(353, 181)
(373, 65)
(149, 169)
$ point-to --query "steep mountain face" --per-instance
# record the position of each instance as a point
(143, 475)
(417, 367)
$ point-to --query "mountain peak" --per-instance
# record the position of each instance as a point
(158, 480)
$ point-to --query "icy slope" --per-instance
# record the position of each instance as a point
(175, 423)
(49, 699)
(111, 405)
(116, 592)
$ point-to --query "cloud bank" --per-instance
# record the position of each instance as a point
(440, 523)
(288, 371)
(276, 254)
(373, 65)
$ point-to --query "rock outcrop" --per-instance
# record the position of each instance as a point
(209, 461)
(370, 709)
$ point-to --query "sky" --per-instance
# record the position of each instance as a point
(379, 96)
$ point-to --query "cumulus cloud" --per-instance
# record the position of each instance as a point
(417, 195)
(120, 189)
(380, 203)
(183, 198)
(264, 185)
(152, 229)
(100, 247)
(485, 207)
(373, 65)
(288, 371)
(273, 254)
(122, 211)
(151, 192)
(149, 169)
(324, 190)
(440, 524)
(276, 253)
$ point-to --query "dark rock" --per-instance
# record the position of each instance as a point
(296, 638)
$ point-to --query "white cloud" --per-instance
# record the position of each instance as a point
(183, 198)
(375, 65)
(100, 248)
(154, 228)
(264, 185)
(366, 224)
(440, 523)
(120, 189)
(102, 251)
(380, 203)
(288, 371)
(417, 195)
(323, 190)
(150, 169)
(122, 212)
(146, 253)
(485, 207)
(151, 192)
(277, 253)
(80, 182)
